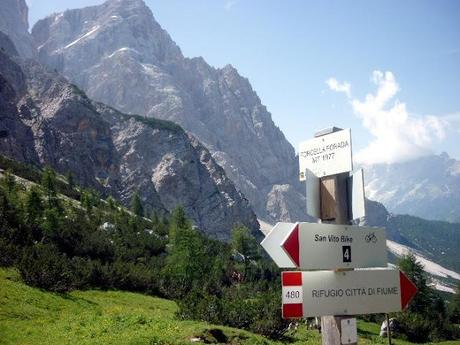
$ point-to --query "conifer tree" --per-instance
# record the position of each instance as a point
(8, 181)
(33, 204)
(69, 178)
(454, 307)
(414, 271)
(136, 205)
(49, 185)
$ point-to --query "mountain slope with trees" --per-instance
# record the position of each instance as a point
(62, 242)
(45, 120)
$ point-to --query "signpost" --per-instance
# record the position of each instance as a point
(319, 293)
(336, 197)
(272, 241)
(330, 246)
(326, 155)
(355, 194)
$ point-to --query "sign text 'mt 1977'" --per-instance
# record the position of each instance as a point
(326, 155)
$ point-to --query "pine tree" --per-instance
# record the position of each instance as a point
(414, 271)
(86, 200)
(51, 223)
(244, 243)
(187, 262)
(454, 307)
(49, 185)
(8, 181)
(155, 218)
(69, 178)
(136, 205)
(33, 205)
(111, 203)
(177, 223)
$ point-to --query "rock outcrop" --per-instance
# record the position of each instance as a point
(45, 120)
(14, 22)
(121, 56)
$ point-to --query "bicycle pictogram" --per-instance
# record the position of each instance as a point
(371, 238)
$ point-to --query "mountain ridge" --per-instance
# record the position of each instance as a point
(427, 187)
(125, 54)
(48, 121)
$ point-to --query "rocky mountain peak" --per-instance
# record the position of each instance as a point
(121, 56)
(94, 34)
(45, 120)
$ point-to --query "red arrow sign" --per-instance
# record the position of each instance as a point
(291, 245)
(408, 290)
(319, 293)
(332, 246)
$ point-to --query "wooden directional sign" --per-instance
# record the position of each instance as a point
(272, 241)
(326, 155)
(320, 293)
(331, 246)
(356, 199)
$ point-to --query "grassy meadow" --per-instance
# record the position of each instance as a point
(33, 316)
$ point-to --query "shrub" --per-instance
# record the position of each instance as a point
(43, 266)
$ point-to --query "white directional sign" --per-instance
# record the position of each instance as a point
(331, 246)
(313, 194)
(357, 201)
(272, 241)
(320, 293)
(326, 155)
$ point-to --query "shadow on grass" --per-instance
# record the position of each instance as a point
(71, 298)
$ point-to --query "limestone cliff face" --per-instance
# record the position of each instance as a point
(161, 161)
(45, 120)
(14, 22)
(121, 56)
(16, 138)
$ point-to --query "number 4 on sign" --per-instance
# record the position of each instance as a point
(346, 250)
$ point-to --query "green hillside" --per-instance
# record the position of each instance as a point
(33, 316)
(68, 255)
(437, 240)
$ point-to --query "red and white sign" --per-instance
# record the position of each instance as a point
(332, 246)
(320, 293)
(272, 241)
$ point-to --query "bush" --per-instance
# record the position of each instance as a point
(8, 253)
(43, 266)
(426, 318)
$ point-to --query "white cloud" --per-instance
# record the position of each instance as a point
(453, 121)
(397, 135)
(339, 87)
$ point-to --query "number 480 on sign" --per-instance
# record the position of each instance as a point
(292, 294)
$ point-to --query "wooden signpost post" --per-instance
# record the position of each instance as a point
(335, 196)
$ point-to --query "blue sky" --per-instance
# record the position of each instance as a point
(314, 62)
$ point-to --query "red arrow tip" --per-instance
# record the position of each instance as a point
(408, 290)
(291, 245)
